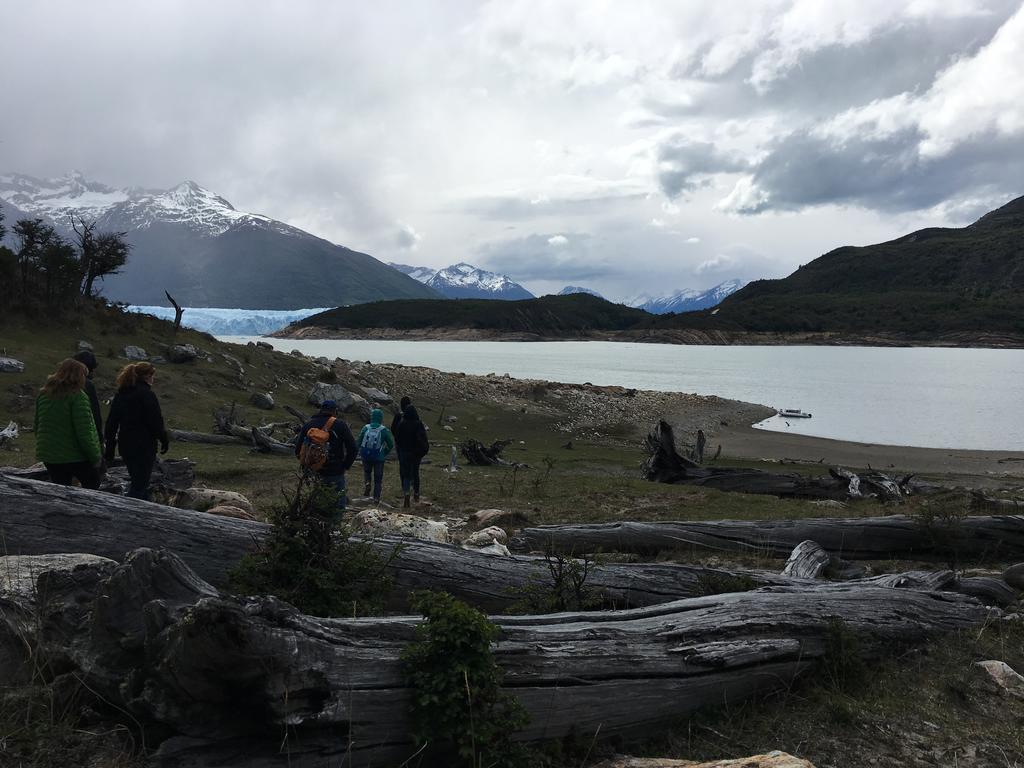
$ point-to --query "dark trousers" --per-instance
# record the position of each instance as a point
(63, 474)
(337, 482)
(139, 470)
(409, 471)
(374, 469)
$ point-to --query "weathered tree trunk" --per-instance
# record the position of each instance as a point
(665, 465)
(210, 438)
(40, 518)
(254, 682)
(178, 311)
(863, 538)
(480, 455)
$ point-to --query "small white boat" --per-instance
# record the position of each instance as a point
(793, 413)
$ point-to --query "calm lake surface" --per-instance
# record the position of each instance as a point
(928, 397)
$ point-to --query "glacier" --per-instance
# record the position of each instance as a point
(224, 321)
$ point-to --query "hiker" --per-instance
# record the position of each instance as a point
(411, 441)
(325, 447)
(88, 359)
(66, 439)
(135, 425)
(404, 403)
(375, 443)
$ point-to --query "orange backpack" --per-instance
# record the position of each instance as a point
(316, 446)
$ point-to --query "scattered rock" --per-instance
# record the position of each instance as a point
(1014, 576)
(378, 396)
(264, 345)
(10, 365)
(772, 759)
(452, 419)
(84, 346)
(501, 518)
(448, 428)
(494, 548)
(132, 352)
(229, 510)
(296, 353)
(1004, 676)
(204, 499)
(381, 523)
(182, 353)
(262, 400)
(487, 536)
(322, 391)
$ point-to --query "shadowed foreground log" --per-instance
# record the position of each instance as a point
(862, 538)
(39, 518)
(226, 681)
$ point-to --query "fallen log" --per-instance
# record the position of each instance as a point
(210, 438)
(976, 538)
(222, 680)
(664, 464)
(40, 518)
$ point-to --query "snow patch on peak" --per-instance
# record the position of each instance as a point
(685, 300)
(571, 289)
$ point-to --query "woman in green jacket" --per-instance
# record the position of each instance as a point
(66, 439)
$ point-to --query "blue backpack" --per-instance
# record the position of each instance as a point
(372, 446)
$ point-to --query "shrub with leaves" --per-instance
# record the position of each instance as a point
(460, 715)
(309, 560)
(564, 589)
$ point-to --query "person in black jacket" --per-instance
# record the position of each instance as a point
(341, 453)
(135, 426)
(404, 403)
(411, 441)
(88, 359)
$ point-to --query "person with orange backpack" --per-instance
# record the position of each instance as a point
(325, 447)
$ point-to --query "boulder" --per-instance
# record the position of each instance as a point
(264, 345)
(229, 510)
(1003, 675)
(502, 518)
(262, 400)
(494, 548)
(487, 536)
(448, 428)
(134, 353)
(10, 365)
(204, 499)
(772, 759)
(84, 346)
(1014, 576)
(182, 353)
(322, 391)
(378, 396)
(296, 353)
(378, 522)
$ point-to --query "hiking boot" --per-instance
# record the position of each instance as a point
(366, 490)
(416, 498)
(405, 502)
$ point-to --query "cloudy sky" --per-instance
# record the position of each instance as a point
(627, 146)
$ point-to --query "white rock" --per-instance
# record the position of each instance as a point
(134, 353)
(203, 499)
(491, 549)
(379, 522)
(1004, 676)
(487, 536)
(10, 365)
(501, 518)
(84, 346)
(448, 428)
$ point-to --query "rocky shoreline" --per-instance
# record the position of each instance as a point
(681, 336)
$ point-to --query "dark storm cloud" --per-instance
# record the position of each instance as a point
(885, 174)
(685, 165)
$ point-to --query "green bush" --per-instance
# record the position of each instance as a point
(309, 560)
(460, 715)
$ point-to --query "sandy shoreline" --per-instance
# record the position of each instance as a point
(1003, 467)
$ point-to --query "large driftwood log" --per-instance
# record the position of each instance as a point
(664, 464)
(210, 438)
(39, 518)
(864, 538)
(254, 682)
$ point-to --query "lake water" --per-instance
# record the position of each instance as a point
(928, 397)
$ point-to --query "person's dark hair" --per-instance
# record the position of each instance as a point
(405, 402)
(86, 358)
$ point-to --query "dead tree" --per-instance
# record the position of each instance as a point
(480, 455)
(219, 680)
(178, 311)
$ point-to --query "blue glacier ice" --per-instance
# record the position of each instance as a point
(221, 321)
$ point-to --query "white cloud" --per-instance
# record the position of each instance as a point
(659, 223)
(558, 240)
(407, 238)
(693, 240)
(718, 263)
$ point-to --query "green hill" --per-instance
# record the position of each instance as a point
(547, 316)
(935, 281)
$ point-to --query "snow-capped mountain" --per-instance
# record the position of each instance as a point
(196, 245)
(464, 281)
(571, 289)
(685, 300)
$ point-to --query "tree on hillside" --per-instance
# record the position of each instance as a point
(33, 236)
(99, 254)
(59, 266)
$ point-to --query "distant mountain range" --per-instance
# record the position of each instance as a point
(686, 300)
(569, 290)
(464, 281)
(195, 244)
